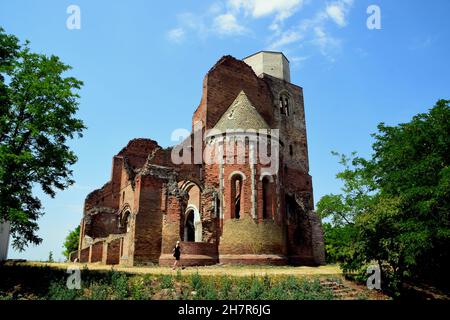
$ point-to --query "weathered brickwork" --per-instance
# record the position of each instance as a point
(222, 212)
(96, 252)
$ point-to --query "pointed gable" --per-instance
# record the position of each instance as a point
(241, 115)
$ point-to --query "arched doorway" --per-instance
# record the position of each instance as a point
(193, 225)
(193, 222)
(189, 227)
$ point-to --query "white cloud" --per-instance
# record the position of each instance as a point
(260, 8)
(338, 10)
(176, 35)
(286, 38)
(227, 24)
(335, 12)
(313, 32)
(297, 61)
(326, 43)
(234, 17)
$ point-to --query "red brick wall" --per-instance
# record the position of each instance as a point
(112, 252)
(222, 85)
(102, 225)
(96, 252)
(199, 248)
(246, 191)
(193, 254)
(147, 234)
(102, 197)
(171, 232)
(84, 255)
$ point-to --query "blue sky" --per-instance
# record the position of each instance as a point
(143, 63)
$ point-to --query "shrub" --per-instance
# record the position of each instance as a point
(225, 287)
(98, 291)
(59, 291)
(166, 282)
(119, 284)
(141, 289)
(196, 281)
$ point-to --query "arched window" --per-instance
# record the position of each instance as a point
(281, 105)
(124, 221)
(216, 201)
(267, 198)
(236, 194)
(189, 227)
(284, 104)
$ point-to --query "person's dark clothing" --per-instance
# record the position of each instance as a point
(177, 252)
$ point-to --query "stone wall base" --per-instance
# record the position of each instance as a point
(188, 260)
(302, 261)
(253, 259)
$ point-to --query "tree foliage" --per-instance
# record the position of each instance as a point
(396, 205)
(71, 243)
(37, 108)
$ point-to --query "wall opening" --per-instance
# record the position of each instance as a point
(291, 209)
(124, 222)
(216, 205)
(236, 196)
(267, 198)
(284, 104)
(189, 227)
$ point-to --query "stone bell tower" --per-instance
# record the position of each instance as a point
(274, 64)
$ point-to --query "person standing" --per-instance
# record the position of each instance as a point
(177, 254)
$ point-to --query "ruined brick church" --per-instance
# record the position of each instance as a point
(222, 211)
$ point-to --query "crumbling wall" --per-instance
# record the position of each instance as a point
(100, 222)
(148, 225)
(226, 79)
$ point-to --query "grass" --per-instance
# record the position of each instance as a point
(39, 281)
(216, 270)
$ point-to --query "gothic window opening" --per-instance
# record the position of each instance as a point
(291, 151)
(124, 222)
(216, 202)
(236, 195)
(284, 104)
(189, 227)
(267, 198)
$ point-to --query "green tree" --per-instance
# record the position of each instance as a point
(341, 210)
(411, 164)
(71, 243)
(50, 257)
(37, 108)
(396, 205)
